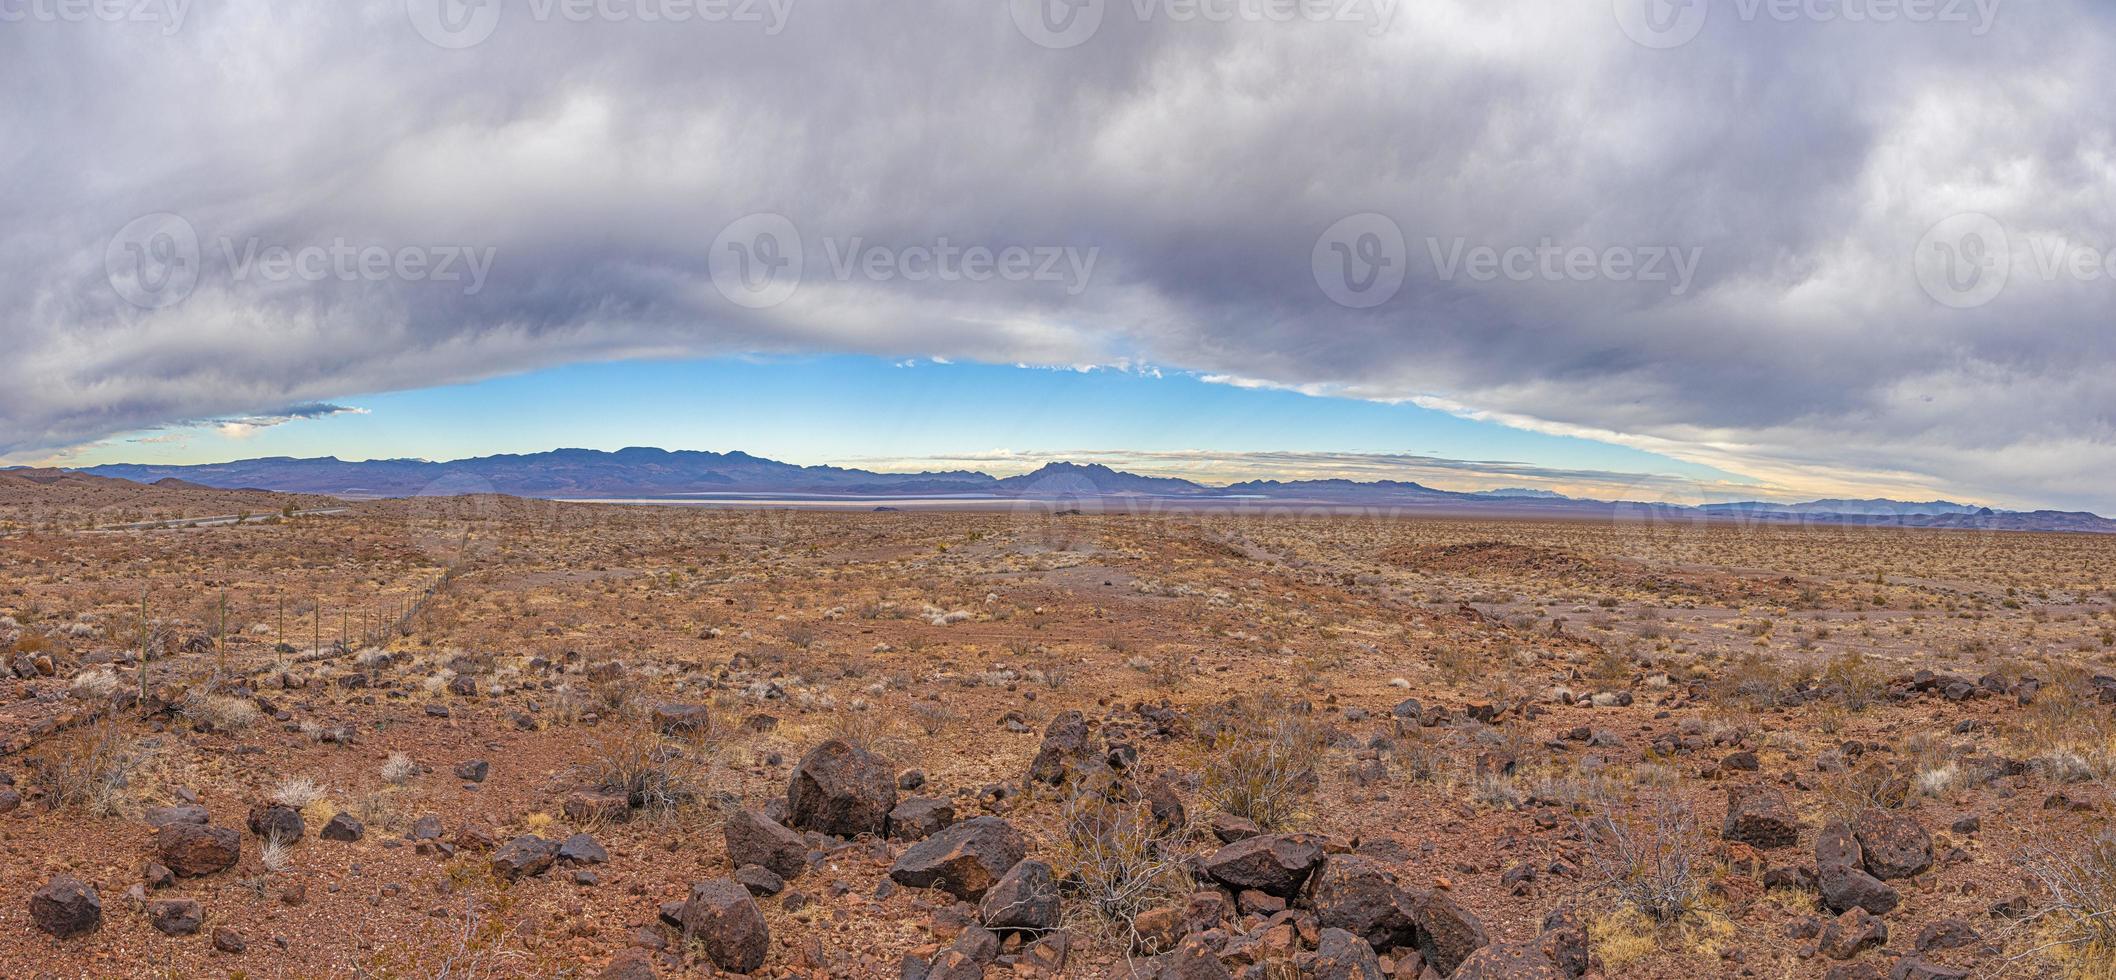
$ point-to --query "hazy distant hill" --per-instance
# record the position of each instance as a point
(642, 472)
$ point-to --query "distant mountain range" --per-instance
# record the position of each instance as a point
(643, 472)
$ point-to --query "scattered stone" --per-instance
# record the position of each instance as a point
(583, 849)
(66, 907)
(228, 941)
(682, 719)
(1894, 844)
(965, 860)
(920, 817)
(191, 850)
(1759, 817)
(1025, 900)
(1276, 864)
(842, 790)
(1340, 955)
(524, 857)
(1846, 935)
(344, 827)
(721, 915)
(1361, 896)
(1947, 934)
(1511, 962)
(162, 816)
(1447, 933)
(176, 916)
(157, 876)
(753, 838)
(631, 964)
(1065, 747)
(473, 770)
(759, 880)
(1841, 874)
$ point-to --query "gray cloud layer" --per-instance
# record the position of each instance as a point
(594, 163)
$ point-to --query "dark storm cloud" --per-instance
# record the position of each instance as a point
(343, 176)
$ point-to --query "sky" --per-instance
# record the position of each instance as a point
(1766, 249)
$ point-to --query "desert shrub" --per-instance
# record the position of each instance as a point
(1262, 763)
(95, 683)
(1853, 681)
(297, 792)
(220, 712)
(1120, 862)
(1757, 681)
(2079, 921)
(656, 776)
(399, 769)
(932, 717)
(93, 772)
(1649, 863)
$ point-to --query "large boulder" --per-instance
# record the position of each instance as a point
(1275, 864)
(1024, 900)
(841, 789)
(723, 917)
(1759, 817)
(1361, 896)
(194, 849)
(753, 838)
(920, 817)
(66, 907)
(1841, 877)
(1447, 933)
(1895, 845)
(965, 860)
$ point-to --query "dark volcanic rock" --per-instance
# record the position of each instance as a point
(176, 916)
(1025, 899)
(344, 827)
(1065, 745)
(162, 816)
(66, 907)
(1275, 864)
(1895, 845)
(753, 838)
(676, 719)
(583, 849)
(964, 860)
(192, 849)
(1339, 955)
(1759, 817)
(272, 821)
(1840, 874)
(920, 817)
(843, 790)
(524, 857)
(722, 916)
(1447, 933)
(1361, 896)
(1515, 962)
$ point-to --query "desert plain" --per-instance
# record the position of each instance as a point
(495, 737)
